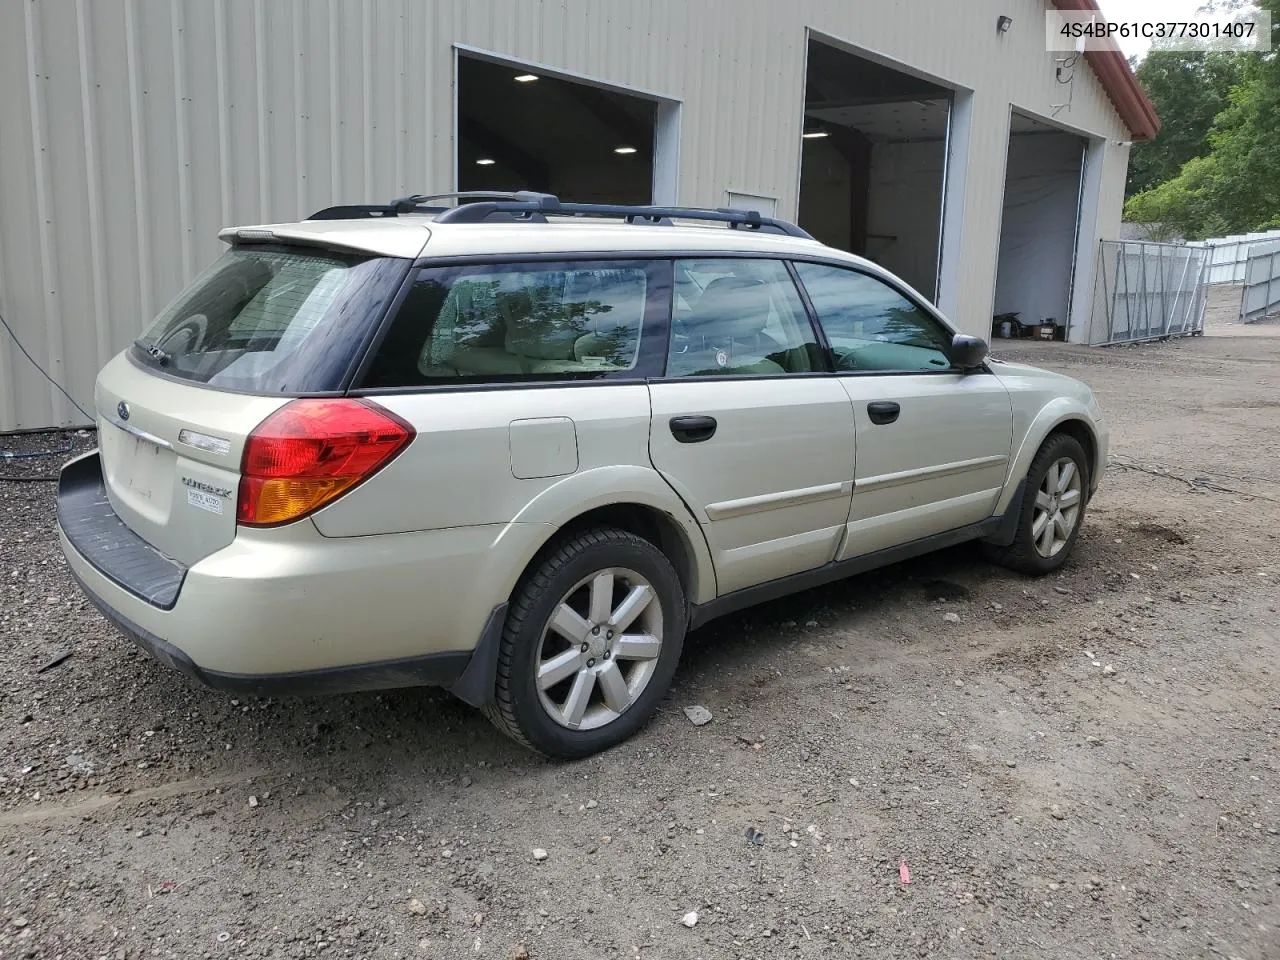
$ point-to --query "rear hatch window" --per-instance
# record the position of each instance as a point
(272, 320)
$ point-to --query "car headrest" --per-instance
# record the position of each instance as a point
(731, 308)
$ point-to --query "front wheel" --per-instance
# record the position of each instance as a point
(1052, 509)
(591, 643)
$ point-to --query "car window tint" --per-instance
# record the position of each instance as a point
(271, 320)
(739, 317)
(870, 325)
(520, 321)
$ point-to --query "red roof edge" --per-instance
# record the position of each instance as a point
(1116, 77)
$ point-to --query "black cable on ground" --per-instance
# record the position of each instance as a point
(18, 343)
(29, 479)
(35, 454)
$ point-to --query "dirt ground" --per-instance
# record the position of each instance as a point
(1082, 766)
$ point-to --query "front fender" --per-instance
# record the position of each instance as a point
(1052, 415)
(579, 493)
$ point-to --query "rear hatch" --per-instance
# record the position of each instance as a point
(264, 324)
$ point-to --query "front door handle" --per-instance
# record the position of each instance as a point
(693, 429)
(883, 411)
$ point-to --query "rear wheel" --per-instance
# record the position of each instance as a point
(1052, 509)
(591, 642)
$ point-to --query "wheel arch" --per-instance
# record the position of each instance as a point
(1060, 416)
(651, 524)
(1082, 433)
(630, 498)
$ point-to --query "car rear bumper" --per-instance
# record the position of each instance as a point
(435, 669)
(288, 610)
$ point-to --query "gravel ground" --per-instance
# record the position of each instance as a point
(1222, 314)
(1081, 766)
(1222, 306)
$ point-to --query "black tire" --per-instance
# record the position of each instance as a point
(518, 710)
(1021, 555)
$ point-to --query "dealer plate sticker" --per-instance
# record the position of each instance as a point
(205, 501)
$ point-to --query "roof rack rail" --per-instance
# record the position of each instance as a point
(544, 204)
(420, 203)
(531, 207)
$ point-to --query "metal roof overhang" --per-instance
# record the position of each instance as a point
(1116, 77)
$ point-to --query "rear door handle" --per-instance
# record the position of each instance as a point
(883, 411)
(693, 429)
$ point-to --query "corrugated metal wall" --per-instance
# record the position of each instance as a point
(131, 130)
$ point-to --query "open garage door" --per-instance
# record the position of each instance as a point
(519, 129)
(874, 163)
(1039, 227)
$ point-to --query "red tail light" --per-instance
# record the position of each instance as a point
(310, 452)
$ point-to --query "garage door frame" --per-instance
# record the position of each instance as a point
(1084, 255)
(955, 162)
(666, 127)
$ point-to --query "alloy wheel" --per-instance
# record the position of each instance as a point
(599, 649)
(1057, 507)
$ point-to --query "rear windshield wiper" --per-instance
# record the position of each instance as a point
(154, 352)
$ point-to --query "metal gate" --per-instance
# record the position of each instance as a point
(1150, 291)
(1261, 283)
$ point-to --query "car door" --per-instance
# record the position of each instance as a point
(933, 443)
(748, 426)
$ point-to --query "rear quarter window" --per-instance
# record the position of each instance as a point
(516, 322)
(272, 320)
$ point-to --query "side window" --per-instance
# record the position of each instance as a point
(495, 322)
(738, 317)
(870, 325)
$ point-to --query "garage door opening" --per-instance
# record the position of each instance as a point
(874, 162)
(519, 129)
(1039, 227)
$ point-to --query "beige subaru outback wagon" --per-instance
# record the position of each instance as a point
(517, 448)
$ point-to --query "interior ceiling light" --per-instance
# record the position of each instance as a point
(526, 78)
(485, 162)
(624, 149)
(814, 134)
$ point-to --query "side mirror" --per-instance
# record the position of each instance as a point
(967, 353)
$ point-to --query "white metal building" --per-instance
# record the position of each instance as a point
(920, 133)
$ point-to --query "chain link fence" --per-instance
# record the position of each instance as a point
(1149, 291)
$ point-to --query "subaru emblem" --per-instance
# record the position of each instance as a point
(122, 408)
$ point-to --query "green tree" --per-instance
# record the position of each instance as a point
(1184, 206)
(1234, 185)
(1188, 90)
